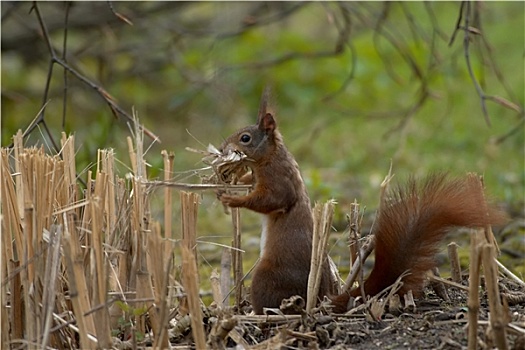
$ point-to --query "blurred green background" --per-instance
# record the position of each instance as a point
(357, 85)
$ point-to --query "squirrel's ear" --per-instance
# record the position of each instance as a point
(267, 123)
(265, 120)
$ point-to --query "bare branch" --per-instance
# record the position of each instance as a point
(464, 23)
(64, 57)
(466, 45)
(458, 23)
(119, 15)
(115, 108)
(344, 39)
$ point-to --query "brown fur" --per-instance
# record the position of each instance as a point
(280, 195)
(409, 229)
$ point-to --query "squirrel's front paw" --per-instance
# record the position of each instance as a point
(230, 201)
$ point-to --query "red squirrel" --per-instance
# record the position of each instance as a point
(407, 231)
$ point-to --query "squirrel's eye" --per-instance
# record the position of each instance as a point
(245, 138)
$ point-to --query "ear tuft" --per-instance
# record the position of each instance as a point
(263, 105)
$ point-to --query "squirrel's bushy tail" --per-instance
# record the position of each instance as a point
(411, 223)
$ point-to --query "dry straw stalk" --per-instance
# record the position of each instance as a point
(323, 215)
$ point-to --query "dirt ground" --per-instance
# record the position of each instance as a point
(434, 324)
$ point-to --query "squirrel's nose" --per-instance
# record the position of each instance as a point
(229, 149)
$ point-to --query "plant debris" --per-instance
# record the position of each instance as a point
(227, 168)
(93, 269)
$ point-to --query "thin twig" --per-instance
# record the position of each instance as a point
(344, 39)
(64, 57)
(272, 62)
(198, 187)
(115, 108)
(449, 283)
(119, 15)
(518, 128)
(458, 23)
(466, 45)
(237, 256)
(380, 30)
(464, 16)
(509, 274)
